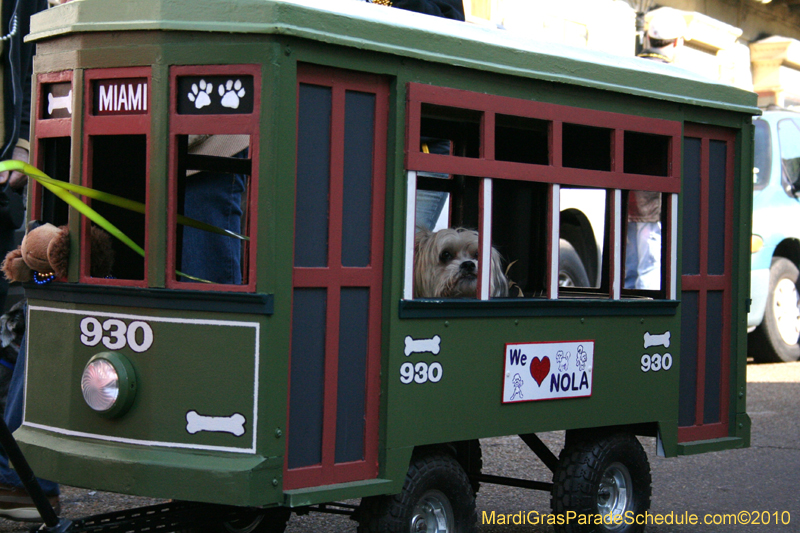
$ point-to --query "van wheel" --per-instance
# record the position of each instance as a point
(571, 272)
(436, 498)
(605, 477)
(775, 340)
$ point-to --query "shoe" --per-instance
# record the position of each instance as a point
(15, 504)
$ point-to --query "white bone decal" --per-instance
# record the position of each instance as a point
(59, 102)
(656, 340)
(233, 424)
(422, 345)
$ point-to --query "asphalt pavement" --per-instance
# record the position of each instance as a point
(761, 480)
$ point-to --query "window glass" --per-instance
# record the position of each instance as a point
(519, 233)
(763, 155)
(213, 188)
(313, 176)
(359, 134)
(789, 140)
(643, 243)
(581, 237)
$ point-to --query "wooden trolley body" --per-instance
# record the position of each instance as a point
(317, 376)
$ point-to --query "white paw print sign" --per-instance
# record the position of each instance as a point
(215, 95)
(199, 94)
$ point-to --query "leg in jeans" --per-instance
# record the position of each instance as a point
(214, 198)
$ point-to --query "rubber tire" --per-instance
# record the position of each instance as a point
(765, 344)
(392, 514)
(271, 520)
(570, 266)
(576, 480)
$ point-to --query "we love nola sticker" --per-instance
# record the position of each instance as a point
(548, 370)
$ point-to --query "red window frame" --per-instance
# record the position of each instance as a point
(487, 167)
(244, 124)
(554, 173)
(46, 128)
(94, 125)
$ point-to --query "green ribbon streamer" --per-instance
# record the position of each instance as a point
(62, 190)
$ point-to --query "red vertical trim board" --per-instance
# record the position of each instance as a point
(335, 276)
(705, 283)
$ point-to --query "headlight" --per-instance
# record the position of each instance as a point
(756, 243)
(108, 384)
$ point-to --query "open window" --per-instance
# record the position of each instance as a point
(552, 189)
(214, 154)
(53, 150)
(116, 162)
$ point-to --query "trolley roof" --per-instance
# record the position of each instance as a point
(395, 31)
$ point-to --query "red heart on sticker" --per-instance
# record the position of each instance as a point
(540, 368)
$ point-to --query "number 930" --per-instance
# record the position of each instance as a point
(656, 362)
(116, 334)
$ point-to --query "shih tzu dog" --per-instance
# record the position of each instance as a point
(446, 265)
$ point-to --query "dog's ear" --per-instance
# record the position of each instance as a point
(421, 236)
(499, 282)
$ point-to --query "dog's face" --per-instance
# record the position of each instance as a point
(446, 265)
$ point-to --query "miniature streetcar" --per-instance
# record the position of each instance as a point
(295, 363)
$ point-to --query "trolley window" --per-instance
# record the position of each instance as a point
(52, 153)
(212, 183)
(564, 196)
(116, 161)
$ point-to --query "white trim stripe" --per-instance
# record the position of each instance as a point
(411, 221)
(617, 281)
(673, 251)
(555, 237)
(486, 240)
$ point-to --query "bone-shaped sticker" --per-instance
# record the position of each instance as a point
(233, 424)
(422, 345)
(59, 102)
(656, 340)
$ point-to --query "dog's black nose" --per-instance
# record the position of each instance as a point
(468, 266)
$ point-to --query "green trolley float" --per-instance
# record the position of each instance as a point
(340, 138)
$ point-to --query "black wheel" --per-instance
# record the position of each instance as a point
(607, 476)
(251, 521)
(775, 339)
(571, 272)
(436, 498)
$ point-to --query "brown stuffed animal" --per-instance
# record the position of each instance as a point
(45, 250)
